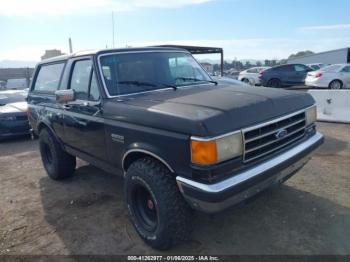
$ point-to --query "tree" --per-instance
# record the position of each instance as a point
(300, 54)
(247, 65)
(282, 62)
(217, 67)
(267, 63)
(258, 63)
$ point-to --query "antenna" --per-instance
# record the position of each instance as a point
(113, 29)
(70, 46)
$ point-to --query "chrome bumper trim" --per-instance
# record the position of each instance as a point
(251, 173)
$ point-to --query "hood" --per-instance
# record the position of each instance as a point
(207, 110)
(17, 107)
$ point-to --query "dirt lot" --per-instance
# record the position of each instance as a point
(310, 214)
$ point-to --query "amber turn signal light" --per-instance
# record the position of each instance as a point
(204, 152)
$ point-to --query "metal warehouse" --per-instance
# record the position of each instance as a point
(339, 56)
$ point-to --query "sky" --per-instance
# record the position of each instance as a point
(246, 29)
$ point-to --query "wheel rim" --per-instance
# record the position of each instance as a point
(275, 83)
(335, 85)
(47, 153)
(144, 208)
(246, 81)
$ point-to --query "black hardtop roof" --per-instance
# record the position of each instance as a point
(106, 51)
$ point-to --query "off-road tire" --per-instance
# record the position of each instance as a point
(174, 216)
(57, 163)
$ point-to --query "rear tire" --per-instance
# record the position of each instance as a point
(274, 83)
(336, 84)
(57, 163)
(246, 81)
(157, 209)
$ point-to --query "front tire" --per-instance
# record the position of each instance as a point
(157, 209)
(57, 163)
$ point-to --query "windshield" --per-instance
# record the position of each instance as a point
(138, 72)
(7, 97)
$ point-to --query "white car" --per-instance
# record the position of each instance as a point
(251, 75)
(316, 66)
(227, 80)
(333, 77)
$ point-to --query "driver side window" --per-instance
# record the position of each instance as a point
(83, 81)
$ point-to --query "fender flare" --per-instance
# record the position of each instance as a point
(43, 124)
(146, 151)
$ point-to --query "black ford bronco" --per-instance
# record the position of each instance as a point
(181, 140)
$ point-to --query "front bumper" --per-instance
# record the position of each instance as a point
(315, 83)
(212, 198)
(14, 128)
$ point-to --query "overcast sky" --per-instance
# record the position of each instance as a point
(246, 29)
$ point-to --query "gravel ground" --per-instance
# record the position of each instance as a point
(85, 214)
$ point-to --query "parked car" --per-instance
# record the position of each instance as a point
(251, 76)
(228, 80)
(284, 75)
(180, 140)
(333, 77)
(316, 66)
(16, 84)
(13, 114)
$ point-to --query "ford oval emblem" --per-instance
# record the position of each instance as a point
(281, 133)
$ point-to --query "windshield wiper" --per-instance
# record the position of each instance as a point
(196, 80)
(141, 83)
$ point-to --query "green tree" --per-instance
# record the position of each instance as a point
(300, 54)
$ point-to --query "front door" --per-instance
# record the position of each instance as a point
(83, 123)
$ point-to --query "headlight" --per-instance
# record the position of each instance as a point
(311, 115)
(207, 152)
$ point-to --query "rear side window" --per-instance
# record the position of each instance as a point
(49, 77)
(300, 68)
(332, 68)
(286, 68)
(346, 69)
(253, 70)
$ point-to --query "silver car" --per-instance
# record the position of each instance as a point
(332, 77)
(251, 75)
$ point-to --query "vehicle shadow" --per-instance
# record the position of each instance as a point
(88, 214)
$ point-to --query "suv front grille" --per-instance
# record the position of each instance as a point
(269, 137)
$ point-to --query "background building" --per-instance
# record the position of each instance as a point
(51, 53)
(339, 56)
(16, 78)
(208, 67)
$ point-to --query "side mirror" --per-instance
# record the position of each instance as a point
(65, 96)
